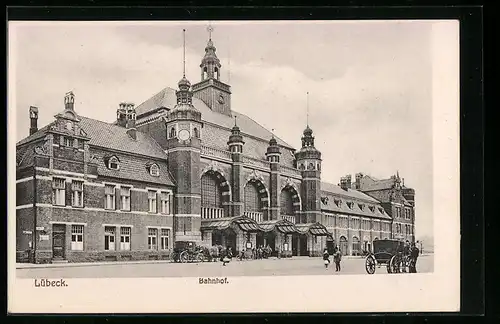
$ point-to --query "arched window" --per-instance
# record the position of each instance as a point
(216, 73)
(211, 195)
(343, 245)
(355, 245)
(205, 72)
(286, 201)
(310, 166)
(154, 170)
(252, 199)
(196, 134)
(172, 132)
(301, 166)
(113, 163)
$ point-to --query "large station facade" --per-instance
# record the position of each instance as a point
(184, 166)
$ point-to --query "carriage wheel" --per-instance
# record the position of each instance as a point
(200, 257)
(389, 270)
(395, 264)
(405, 265)
(173, 256)
(184, 257)
(370, 265)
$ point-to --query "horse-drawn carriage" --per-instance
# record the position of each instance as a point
(389, 253)
(187, 251)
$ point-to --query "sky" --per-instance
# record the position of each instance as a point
(369, 83)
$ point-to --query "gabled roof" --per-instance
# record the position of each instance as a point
(166, 98)
(116, 138)
(335, 190)
(112, 137)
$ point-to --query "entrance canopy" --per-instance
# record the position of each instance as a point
(282, 225)
(316, 229)
(244, 223)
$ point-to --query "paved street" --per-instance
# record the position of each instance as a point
(278, 267)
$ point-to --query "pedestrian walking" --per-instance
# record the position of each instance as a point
(414, 252)
(326, 258)
(337, 258)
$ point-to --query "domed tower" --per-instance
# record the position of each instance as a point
(309, 163)
(183, 125)
(273, 156)
(211, 90)
(235, 144)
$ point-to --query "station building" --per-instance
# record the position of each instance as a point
(185, 166)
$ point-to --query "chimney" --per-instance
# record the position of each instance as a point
(69, 101)
(343, 183)
(34, 120)
(131, 131)
(357, 183)
(121, 115)
(348, 179)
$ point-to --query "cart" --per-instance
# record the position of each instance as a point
(187, 251)
(388, 253)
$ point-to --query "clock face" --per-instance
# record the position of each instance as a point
(221, 99)
(184, 135)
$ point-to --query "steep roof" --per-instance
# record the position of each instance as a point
(110, 136)
(116, 138)
(350, 193)
(371, 183)
(166, 98)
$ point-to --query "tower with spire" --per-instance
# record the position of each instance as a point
(273, 155)
(309, 163)
(211, 90)
(235, 145)
(183, 127)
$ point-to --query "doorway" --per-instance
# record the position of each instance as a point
(303, 245)
(295, 245)
(330, 246)
(58, 241)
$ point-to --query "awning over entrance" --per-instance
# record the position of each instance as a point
(316, 229)
(244, 223)
(247, 224)
(282, 226)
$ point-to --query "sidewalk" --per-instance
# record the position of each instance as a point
(104, 263)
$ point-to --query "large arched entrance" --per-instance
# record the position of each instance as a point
(290, 203)
(256, 199)
(215, 194)
(343, 245)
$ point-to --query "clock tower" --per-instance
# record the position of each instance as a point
(183, 125)
(213, 92)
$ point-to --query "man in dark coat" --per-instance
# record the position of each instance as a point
(414, 252)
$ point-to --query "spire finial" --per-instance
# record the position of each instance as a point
(235, 120)
(307, 109)
(184, 53)
(210, 29)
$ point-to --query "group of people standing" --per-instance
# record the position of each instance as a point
(337, 257)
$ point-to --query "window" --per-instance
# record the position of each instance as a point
(398, 212)
(252, 200)
(165, 233)
(338, 202)
(152, 201)
(59, 191)
(350, 204)
(75, 143)
(211, 195)
(125, 238)
(356, 245)
(372, 209)
(407, 213)
(114, 163)
(68, 142)
(172, 132)
(77, 193)
(109, 238)
(154, 170)
(77, 237)
(361, 206)
(286, 202)
(165, 203)
(184, 224)
(125, 198)
(109, 193)
(196, 134)
(152, 235)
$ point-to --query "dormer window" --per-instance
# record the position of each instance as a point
(381, 210)
(350, 205)
(154, 170)
(361, 206)
(114, 163)
(372, 209)
(338, 202)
